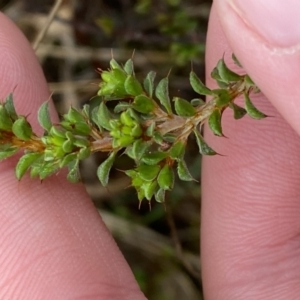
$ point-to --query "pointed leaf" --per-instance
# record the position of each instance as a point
(149, 83)
(198, 86)
(238, 112)
(139, 148)
(104, 169)
(214, 122)
(73, 175)
(132, 86)
(252, 111)
(184, 108)
(25, 162)
(236, 61)
(225, 73)
(103, 116)
(147, 172)
(44, 116)
(162, 94)
(177, 150)
(5, 120)
(204, 149)
(143, 104)
(8, 152)
(165, 178)
(10, 108)
(48, 169)
(128, 67)
(223, 97)
(150, 129)
(114, 65)
(160, 196)
(22, 129)
(122, 106)
(197, 102)
(154, 158)
(183, 171)
(149, 189)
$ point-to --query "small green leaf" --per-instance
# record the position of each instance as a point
(149, 83)
(67, 159)
(22, 129)
(128, 67)
(132, 86)
(198, 86)
(183, 171)
(154, 158)
(48, 169)
(252, 111)
(236, 61)
(25, 162)
(10, 108)
(160, 196)
(104, 169)
(214, 122)
(67, 146)
(162, 94)
(225, 73)
(150, 129)
(238, 112)
(149, 189)
(8, 152)
(165, 178)
(103, 116)
(74, 116)
(73, 174)
(204, 149)
(5, 120)
(83, 153)
(122, 106)
(197, 102)
(184, 108)
(44, 116)
(139, 148)
(114, 65)
(177, 150)
(250, 83)
(143, 104)
(147, 172)
(223, 97)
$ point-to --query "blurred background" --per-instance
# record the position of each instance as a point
(162, 244)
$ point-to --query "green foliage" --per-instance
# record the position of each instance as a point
(144, 125)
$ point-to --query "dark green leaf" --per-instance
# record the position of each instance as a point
(177, 150)
(183, 171)
(22, 129)
(139, 148)
(104, 169)
(238, 112)
(149, 83)
(184, 108)
(122, 106)
(25, 162)
(143, 104)
(204, 149)
(252, 111)
(198, 86)
(150, 129)
(103, 116)
(162, 94)
(147, 172)
(223, 97)
(67, 159)
(154, 158)
(197, 102)
(44, 116)
(214, 122)
(10, 108)
(5, 120)
(132, 86)
(165, 178)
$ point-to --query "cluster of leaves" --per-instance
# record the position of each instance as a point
(144, 124)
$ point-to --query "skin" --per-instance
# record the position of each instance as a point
(54, 244)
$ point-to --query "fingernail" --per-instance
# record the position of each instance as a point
(276, 21)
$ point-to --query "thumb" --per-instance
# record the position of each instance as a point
(265, 36)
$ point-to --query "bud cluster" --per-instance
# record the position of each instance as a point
(145, 124)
